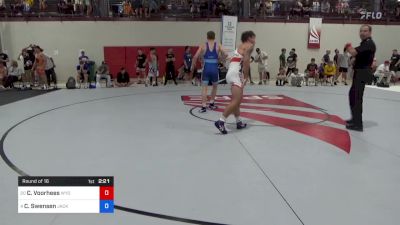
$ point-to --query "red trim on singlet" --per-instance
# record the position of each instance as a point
(236, 59)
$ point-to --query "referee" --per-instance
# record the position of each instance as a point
(364, 56)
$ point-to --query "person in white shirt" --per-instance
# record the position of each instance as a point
(296, 78)
(261, 59)
(383, 73)
(14, 74)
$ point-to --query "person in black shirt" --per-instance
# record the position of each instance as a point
(364, 56)
(311, 72)
(123, 79)
(141, 62)
(170, 67)
(4, 58)
(28, 57)
(394, 61)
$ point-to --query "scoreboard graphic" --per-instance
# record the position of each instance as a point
(65, 194)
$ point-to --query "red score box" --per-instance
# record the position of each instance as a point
(106, 193)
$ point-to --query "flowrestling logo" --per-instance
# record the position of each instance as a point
(287, 113)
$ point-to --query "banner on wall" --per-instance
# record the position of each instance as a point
(229, 31)
(314, 33)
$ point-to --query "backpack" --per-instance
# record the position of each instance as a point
(71, 83)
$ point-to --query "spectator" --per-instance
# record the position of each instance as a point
(4, 58)
(395, 61)
(281, 77)
(127, 8)
(383, 74)
(326, 58)
(195, 7)
(329, 72)
(276, 5)
(296, 78)
(240, 7)
(28, 57)
(307, 7)
(297, 9)
(261, 59)
(89, 7)
(343, 65)
(123, 79)
(187, 62)
(17, 7)
(153, 67)
(14, 74)
(325, 6)
(79, 7)
(291, 62)
(336, 57)
(2, 5)
(146, 8)
(42, 5)
(311, 72)
(397, 10)
(82, 74)
(137, 5)
(282, 58)
(103, 73)
(83, 57)
(50, 72)
(39, 66)
(3, 75)
(335, 61)
(316, 6)
(170, 67)
(141, 61)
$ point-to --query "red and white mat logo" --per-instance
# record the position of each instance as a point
(288, 113)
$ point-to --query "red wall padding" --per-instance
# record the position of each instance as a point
(125, 56)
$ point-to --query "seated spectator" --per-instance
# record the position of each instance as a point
(395, 61)
(296, 78)
(123, 79)
(146, 8)
(127, 8)
(329, 72)
(307, 6)
(204, 8)
(83, 57)
(82, 74)
(311, 72)
(138, 7)
(17, 7)
(14, 74)
(3, 75)
(103, 73)
(281, 77)
(42, 5)
(325, 6)
(2, 5)
(383, 75)
(297, 9)
(62, 6)
(316, 7)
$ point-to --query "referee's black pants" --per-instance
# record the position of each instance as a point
(361, 77)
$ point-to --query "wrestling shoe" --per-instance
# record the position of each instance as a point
(221, 126)
(240, 125)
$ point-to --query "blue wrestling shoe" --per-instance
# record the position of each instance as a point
(221, 126)
(241, 125)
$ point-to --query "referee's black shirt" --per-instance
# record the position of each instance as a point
(365, 54)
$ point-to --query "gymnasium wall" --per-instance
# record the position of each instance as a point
(63, 40)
